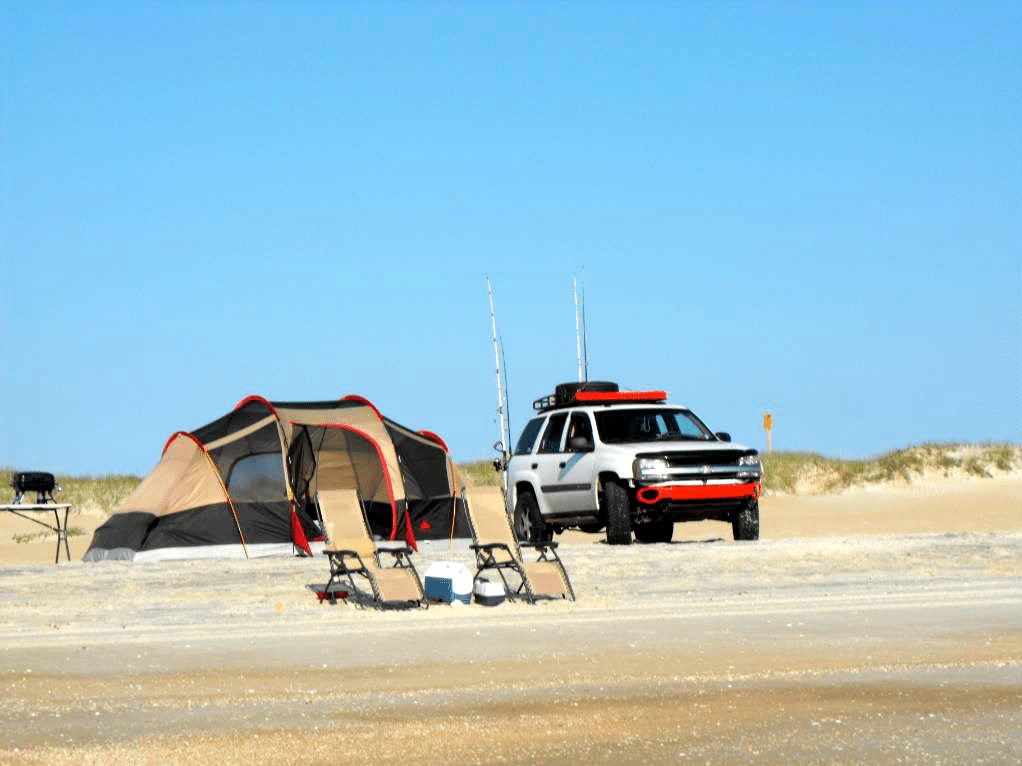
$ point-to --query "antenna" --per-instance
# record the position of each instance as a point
(501, 408)
(578, 332)
(585, 347)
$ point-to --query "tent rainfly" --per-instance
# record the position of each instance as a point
(245, 485)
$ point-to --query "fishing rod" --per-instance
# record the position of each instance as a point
(501, 463)
(507, 391)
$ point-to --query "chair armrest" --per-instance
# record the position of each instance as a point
(402, 555)
(487, 547)
(337, 558)
(552, 545)
(394, 548)
(339, 552)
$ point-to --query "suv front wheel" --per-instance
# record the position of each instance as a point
(619, 522)
(745, 523)
(527, 522)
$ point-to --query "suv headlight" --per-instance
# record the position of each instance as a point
(752, 461)
(649, 469)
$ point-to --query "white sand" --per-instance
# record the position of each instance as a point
(864, 628)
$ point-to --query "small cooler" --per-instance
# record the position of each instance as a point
(489, 592)
(447, 581)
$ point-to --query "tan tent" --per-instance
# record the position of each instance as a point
(244, 485)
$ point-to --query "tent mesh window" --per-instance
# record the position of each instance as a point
(245, 446)
(252, 467)
(332, 457)
(423, 464)
(431, 506)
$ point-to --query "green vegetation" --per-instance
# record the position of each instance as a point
(801, 472)
(480, 473)
(102, 492)
(792, 471)
(976, 468)
(33, 536)
(1003, 457)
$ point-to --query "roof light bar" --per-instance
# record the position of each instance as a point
(621, 396)
(598, 397)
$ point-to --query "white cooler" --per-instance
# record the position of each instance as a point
(447, 581)
(489, 592)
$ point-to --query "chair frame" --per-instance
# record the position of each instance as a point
(347, 562)
(486, 555)
(486, 559)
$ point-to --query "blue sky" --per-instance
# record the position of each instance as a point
(813, 212)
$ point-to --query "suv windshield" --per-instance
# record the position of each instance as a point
(618, 426)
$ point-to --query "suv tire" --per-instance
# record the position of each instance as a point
(619, 522)
(527, 523)
(745, 523)
(660, 531)
(565, 392)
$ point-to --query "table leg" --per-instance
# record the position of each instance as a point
(61, 530)
(67, 547)
(56, 522)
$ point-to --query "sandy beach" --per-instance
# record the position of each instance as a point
(877, 626)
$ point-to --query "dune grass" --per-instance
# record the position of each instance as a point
(480, 473)
(800, 472)
(809, 472)
(100, 492)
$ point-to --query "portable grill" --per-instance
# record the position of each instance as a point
(40, 482)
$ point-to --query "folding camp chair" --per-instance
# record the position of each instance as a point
(496, 547)
(352, 551)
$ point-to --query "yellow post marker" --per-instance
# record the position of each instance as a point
(768, 426)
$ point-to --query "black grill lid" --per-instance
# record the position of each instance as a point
(33, 481)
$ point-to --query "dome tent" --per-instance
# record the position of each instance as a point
(244, 485)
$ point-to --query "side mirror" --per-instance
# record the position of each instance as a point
(724, 436)
(580, 444)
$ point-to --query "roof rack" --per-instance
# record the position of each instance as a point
(545, 403)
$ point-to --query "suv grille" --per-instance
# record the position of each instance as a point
(704, 465)
(703, 457)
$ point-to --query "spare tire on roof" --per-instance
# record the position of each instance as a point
(565, 392)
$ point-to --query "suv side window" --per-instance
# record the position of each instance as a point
(552, 436)
(528, 437)
(579, 428)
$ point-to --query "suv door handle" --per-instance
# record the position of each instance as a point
(535, 466)
(561, 465)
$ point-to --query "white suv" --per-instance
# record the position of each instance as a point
(596, 456)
